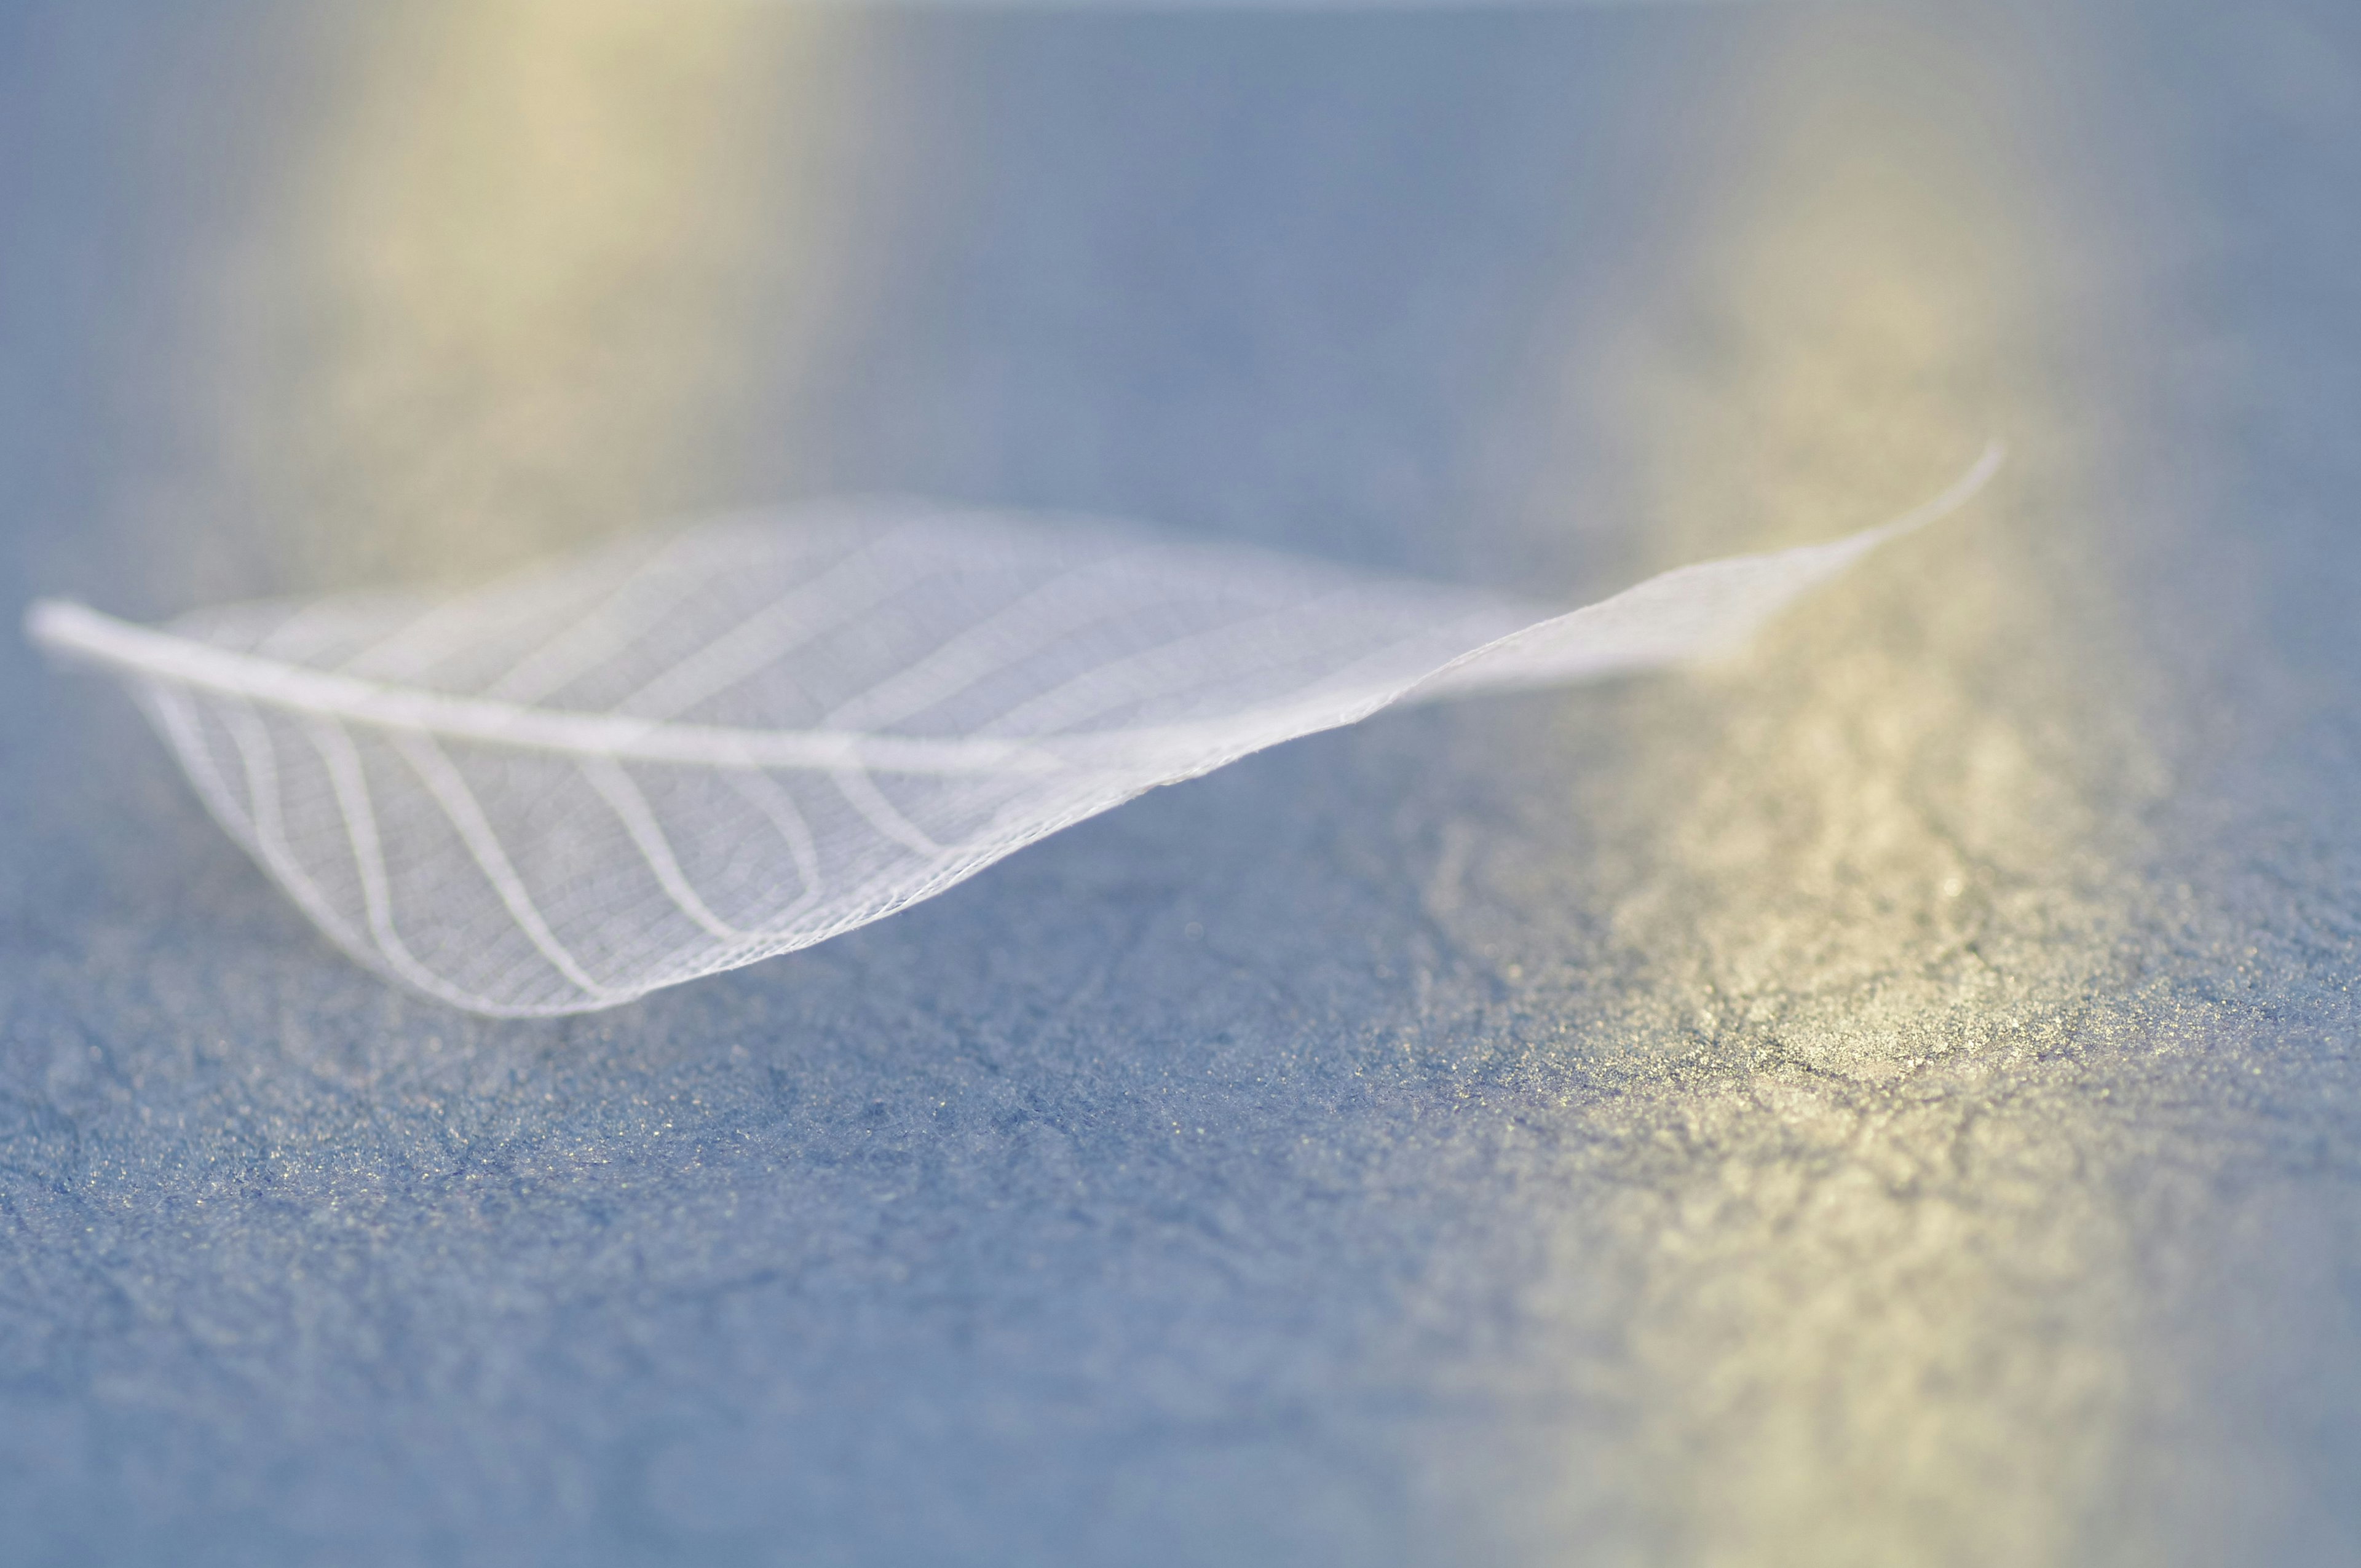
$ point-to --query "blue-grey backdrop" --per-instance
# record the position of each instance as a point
(1893, 1099)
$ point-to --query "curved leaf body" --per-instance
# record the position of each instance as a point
(678, 755)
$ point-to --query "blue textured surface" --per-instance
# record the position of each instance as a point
(1894, 1099)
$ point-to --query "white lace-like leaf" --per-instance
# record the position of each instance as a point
(675, 756)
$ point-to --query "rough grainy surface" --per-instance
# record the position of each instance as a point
(1892, 1099)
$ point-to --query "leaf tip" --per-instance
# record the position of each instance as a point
(56, 626)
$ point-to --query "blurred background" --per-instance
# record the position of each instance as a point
(1890, 1099)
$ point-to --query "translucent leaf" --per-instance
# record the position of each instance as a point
(680, 755)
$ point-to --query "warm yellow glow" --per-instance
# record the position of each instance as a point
(519, 275)
(1883, 1299)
